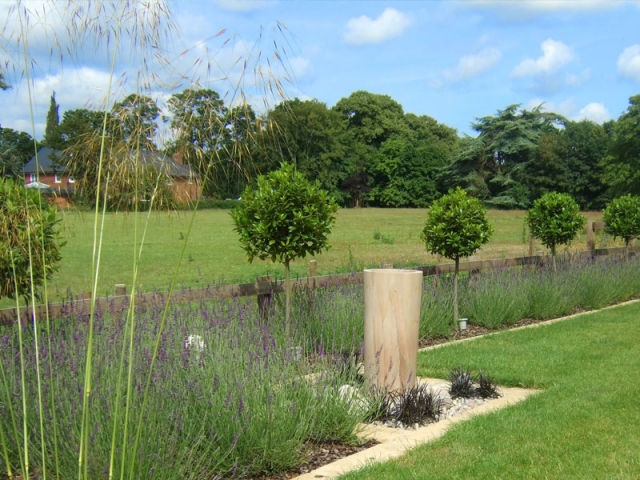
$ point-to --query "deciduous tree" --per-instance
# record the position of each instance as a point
(623, 166)
(16, 148)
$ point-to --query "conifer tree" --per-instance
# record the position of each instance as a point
(51, 135)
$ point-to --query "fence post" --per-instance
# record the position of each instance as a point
(531, 241)
(264, 299)
(591, 237)
(313, 268)
(120, 289)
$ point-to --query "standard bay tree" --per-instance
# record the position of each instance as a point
(622, 218)
(456, 227)
(555, 220)
(283, 218)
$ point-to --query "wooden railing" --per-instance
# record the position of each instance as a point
(265, 286)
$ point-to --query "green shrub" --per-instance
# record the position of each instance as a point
(550, 295)
(30, 239)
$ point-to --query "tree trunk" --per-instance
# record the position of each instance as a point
(287, 300)
(626, 249)
(553, 258)
(455, 293)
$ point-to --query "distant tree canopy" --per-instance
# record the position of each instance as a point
(623, 166)
(492, 167)
(366, 150)
(16, 148)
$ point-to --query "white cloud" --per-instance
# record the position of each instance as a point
(389, 24)
(555, 55)
(241, 5)
(596, 112)
(629, 63)
(473, 65)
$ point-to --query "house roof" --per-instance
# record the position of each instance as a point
(47, 157)
(165, 163)
(46, 161)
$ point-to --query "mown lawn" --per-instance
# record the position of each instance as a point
(584, 424)
(213, 252)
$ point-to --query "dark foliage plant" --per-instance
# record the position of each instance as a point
(417, 404)
(487, 387)
(462, 385)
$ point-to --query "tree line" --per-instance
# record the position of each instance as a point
(365, 150)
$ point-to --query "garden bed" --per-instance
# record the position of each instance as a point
(240, 399)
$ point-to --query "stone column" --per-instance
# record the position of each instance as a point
(392, 300)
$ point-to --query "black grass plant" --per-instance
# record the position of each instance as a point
(487, 387)
(462, 385)
(417, 404)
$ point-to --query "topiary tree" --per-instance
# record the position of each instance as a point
(29, 240)
(555, 220)
(622, 218)
(285, 217)
(456, 227)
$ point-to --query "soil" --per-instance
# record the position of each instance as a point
(317, 455)
(476, 331)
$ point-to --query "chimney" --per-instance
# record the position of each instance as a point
(178, 158)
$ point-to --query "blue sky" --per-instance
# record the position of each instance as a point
(451, 60)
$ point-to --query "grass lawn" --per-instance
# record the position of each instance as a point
(213, 252)
(584, 424)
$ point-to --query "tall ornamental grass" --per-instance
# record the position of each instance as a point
(117, 394)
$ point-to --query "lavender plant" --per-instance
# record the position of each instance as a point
(225, 397)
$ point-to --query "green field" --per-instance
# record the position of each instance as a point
(213, 252)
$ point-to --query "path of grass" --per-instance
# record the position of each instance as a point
(583, 425)
(213, 251)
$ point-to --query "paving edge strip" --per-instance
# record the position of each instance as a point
(395, 442)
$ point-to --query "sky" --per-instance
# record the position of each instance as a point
(454, 61)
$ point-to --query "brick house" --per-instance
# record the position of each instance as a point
(47, 170)
(184, 182)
